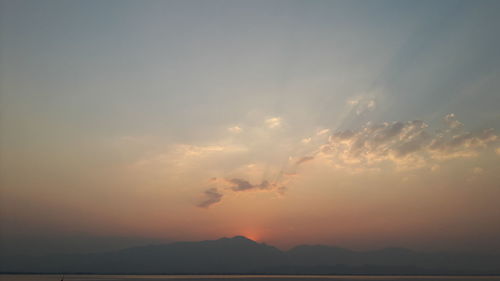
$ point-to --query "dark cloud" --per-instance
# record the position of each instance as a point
(212, 196)
(304, 159)
(242, 185)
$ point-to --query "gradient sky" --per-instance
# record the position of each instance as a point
(361, 124)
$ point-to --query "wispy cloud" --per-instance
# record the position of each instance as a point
(323, 132)
(235, 129)
(304, 159)
(273, 122)
(362, 105)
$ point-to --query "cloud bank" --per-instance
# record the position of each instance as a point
(409, 144)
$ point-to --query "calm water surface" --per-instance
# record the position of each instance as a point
(35, 277)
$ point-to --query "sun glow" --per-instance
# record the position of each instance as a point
(252, 235)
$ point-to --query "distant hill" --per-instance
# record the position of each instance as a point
(76, 243)
(240, 255)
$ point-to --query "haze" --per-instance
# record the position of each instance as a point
(362, 124)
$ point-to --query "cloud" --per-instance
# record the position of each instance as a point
(273, 122)
(194, 150)
(461, 144)
(362, 105)
(237, 184)
(323, 132)
(451, 121)
(406, 143)
(235, 129)
(306, 140)
(180, 157)
(304, 159)
(402, 145)
(212, 196)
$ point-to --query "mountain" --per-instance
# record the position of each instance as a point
(76, 243)
(225, 255)
(240, 255)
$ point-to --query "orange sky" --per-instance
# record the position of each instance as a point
(357, 124)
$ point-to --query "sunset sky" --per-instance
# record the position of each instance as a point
(361, 124)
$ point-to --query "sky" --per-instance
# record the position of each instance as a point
(361, 124)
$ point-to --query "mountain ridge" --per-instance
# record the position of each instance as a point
(240, 255)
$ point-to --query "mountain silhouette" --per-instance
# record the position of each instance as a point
(240, 255)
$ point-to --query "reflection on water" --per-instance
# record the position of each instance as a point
(34, 277)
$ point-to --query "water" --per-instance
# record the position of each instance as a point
(35, 277)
